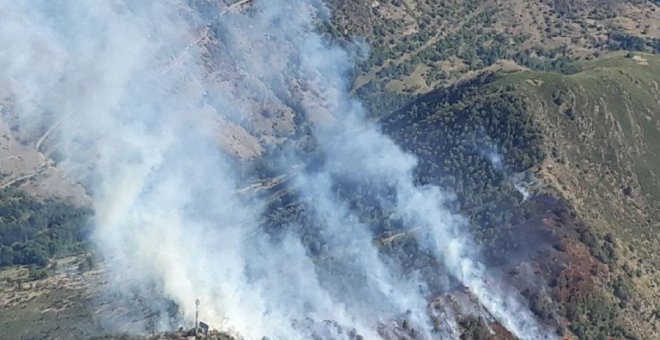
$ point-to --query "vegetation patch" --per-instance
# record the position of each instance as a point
(32, 231)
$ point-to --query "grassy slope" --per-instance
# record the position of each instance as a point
(602, 135)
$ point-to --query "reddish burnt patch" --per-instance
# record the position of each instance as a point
(579, 272)
(555, 265)
(575, 269)
(561, 258)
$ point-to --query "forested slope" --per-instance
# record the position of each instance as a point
(583, 147)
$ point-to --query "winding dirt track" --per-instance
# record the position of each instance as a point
(20, 178)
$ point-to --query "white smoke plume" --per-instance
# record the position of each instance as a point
(137, 90)
(496, 160)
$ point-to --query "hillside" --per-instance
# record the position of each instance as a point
(419, 45)
(602, 130)
(601, 127)
(586, 138)
(542, 211)
(537, 121)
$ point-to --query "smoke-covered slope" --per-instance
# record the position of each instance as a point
(157, 107)
(228, 161)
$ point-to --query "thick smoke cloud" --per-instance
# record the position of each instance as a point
(134, 89)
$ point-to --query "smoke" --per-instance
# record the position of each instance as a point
(494, 157)
(154, 100)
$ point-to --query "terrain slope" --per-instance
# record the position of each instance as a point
(588, 139)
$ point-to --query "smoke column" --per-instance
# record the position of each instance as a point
(141, 91)
(496, 160)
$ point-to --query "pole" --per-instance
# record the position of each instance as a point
(196, 317)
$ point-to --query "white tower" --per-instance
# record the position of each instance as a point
(196, 317)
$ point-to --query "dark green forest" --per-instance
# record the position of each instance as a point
(455, 132)
(33, 231)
